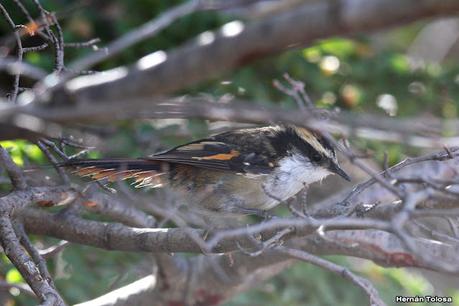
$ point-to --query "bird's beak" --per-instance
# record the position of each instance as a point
(334, 168)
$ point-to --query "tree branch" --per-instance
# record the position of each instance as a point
(365, 285)
(25, 265)
(239, 43)
(408, 130)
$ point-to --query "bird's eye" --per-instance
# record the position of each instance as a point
(316, 158)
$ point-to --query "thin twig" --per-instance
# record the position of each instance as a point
(407, 162)
(54, 162)
(147, 30)
(48, 20)
(83, 44)
(12, 66)
(33, 252)
(364, 284)
(20, 51)
(14, 172)
(54, 250)
(272, 242)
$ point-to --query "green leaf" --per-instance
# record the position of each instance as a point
(399, 63)
(339, 47)
(33, 152)
(13, 276)
(312, 54)
(14, 148)
(93, 154)
(33, 57)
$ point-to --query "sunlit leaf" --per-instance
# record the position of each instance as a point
(14, 148)
(7, 144)
(33, 57)
(312, 54)
(93, 154)
(339, 47)
(13, 276)
(399, 63)
(33, 152)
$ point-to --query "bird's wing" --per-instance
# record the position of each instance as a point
(217, 155)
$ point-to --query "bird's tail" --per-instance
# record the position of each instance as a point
(143, 172)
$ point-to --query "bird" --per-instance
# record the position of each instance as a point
(241, 172)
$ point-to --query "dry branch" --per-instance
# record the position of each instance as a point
(16, 245)
(409, 131)
(364, 284)
(118, 236)
(238, 43)
(377, 240)
(386, 234)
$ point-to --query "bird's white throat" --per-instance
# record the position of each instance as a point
(293, 174)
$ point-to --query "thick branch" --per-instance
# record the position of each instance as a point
(237, 44)
(407, 130)
(147, 30)
(380, 246)
(25, 265)
(16, 201)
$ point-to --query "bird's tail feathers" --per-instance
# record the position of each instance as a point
(143, 172)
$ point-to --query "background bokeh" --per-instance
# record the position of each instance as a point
(388, 73)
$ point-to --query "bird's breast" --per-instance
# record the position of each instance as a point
(292, 175)
(226, 191)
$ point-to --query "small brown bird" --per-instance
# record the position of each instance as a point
(245, 171)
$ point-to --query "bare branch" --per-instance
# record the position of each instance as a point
(24, 263)
(364, 284)
(409, 131)
(318, 236)
(118, 210)
(147, 30)
(14, 172)
(15, 67)
(39, 261)
(49, 19)
(53, 161)
(296, 91)
(439, 156)
(20, 52)
(53, 250)
(17, 200)
(387, 232)
(165, 72)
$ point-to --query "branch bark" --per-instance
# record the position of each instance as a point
(407, 130)
(213, 278)
(217, 275)
(22, 253)
(238, 43)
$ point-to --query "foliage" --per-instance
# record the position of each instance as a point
(346, 73)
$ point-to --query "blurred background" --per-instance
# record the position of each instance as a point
(412, 71)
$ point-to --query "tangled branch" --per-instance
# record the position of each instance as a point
(383, 219)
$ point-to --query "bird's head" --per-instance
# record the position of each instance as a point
(314, 148)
